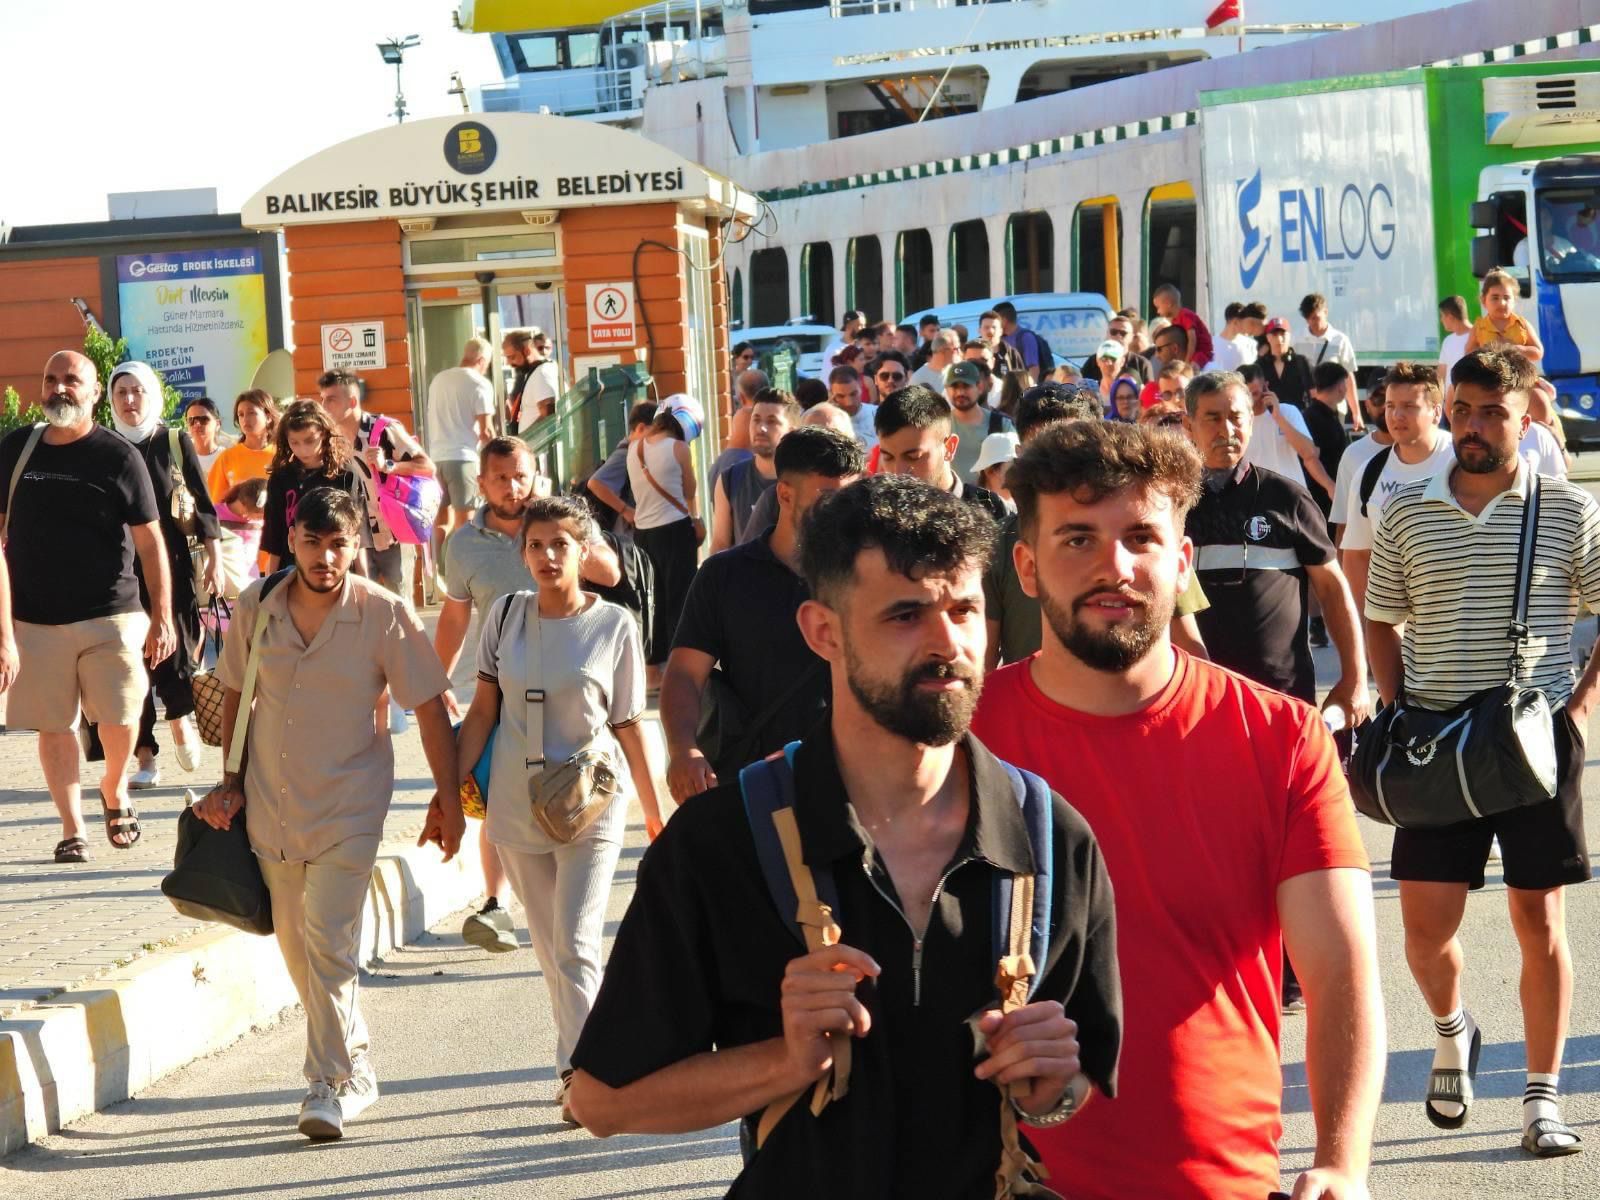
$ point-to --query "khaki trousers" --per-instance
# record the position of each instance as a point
(316, 912)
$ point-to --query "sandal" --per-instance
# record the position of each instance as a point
(1532, 1140)
(1450, 1085)
(123, 821)
(72, 850)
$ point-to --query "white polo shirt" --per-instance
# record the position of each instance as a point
(1450, 577)
(1270, 450)
(1358, 526)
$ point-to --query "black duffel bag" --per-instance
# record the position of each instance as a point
(215, 876)
(1420, 769)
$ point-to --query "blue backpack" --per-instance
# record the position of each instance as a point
(808, 898)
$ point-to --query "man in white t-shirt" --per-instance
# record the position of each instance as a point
(1225, 350)
(1323, 343)
(1543, 452)
(848, 328)
(1453, 316)
(460, 423)
(1280, 441)
(1356, 457)
(1413, 408)
(544, 385)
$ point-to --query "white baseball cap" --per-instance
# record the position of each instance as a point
(997, 448)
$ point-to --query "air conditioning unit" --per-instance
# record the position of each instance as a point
(627, 57)
(1541, 110)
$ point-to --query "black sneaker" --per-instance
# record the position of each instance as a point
(1319, 632)
(1293, 1001)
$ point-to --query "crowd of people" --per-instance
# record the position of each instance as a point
(979, 635)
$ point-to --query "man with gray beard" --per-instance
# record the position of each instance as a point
(78, 505)
(913, 818)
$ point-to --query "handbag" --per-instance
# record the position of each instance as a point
(568, 798)
(215, 875)
(185, 513)
(208, 689)
(407, 504)
(1416, 768)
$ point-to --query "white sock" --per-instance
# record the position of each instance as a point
(1539, 1102)
(1451, 1053)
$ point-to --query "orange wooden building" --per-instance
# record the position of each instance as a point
(406, 241)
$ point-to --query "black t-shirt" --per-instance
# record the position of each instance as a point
(741, 611)
(1290, 382)
(699, 960)
(1327, 431)
(1255, 533)
(68, 546)
(285, 486)
(986, 500)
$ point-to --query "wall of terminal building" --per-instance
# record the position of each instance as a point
(46, 271)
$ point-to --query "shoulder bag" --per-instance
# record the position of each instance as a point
(215, 876)
(568, 798)
(665, 495)
(28, 446)
(1419, 769)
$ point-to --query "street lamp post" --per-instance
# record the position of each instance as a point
(394, 53)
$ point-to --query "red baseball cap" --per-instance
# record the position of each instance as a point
(1277, 325)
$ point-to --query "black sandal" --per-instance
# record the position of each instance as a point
(124, 821)
(72, 850)
(1450, 1085)
(1548, 1127)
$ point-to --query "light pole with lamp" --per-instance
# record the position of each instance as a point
(394, 53)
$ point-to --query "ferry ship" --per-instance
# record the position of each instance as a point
(920, 153)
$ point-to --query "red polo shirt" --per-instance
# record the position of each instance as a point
(1203, 803)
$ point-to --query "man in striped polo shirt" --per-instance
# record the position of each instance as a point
(1444, 564)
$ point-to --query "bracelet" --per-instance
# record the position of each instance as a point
(1065, 1109)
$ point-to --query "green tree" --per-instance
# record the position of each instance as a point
(13, 415)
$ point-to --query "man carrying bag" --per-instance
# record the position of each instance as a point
(1470, 753)
(318, 774)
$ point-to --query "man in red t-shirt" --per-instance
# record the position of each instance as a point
(1227, 829)
(1168, 301)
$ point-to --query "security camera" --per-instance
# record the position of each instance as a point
(484, 276)
(543, 285)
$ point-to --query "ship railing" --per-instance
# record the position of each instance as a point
(596, 91)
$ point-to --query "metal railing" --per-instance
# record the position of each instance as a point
(592, 92)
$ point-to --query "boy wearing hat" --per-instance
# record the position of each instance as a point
(972, 421)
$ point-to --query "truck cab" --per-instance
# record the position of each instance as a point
(1540, 221)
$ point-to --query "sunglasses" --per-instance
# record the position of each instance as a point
(891, 376)
(200, 419)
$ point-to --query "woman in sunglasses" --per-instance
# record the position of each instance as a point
(204, 425)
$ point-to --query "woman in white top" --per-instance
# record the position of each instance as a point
(667, 525)
(591, 670)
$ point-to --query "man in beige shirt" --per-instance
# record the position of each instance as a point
(319, 773)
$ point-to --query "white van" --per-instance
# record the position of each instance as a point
(1074, 323)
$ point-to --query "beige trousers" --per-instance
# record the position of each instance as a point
(316, 912)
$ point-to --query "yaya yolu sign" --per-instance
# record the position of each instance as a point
(492, 162)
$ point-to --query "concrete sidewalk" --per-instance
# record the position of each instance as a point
(105, 988)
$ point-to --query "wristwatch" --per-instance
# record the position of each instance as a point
(1071, 1100)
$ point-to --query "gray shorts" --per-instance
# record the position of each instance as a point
(460, 482)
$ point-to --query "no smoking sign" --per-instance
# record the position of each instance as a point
(353, 346)
(609, 314)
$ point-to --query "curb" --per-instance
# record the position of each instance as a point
(92, 1047)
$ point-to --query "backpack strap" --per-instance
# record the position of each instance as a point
(1022, 933)
(28, 446)
(806, 892)
(1371, 473)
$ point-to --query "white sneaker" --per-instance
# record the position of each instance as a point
(321, 1117)
(1494, 849)
(186, 743)
(397, 718)
(145, 778)
(356, 1094)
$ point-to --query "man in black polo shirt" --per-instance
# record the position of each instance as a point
(916, 438)
(740, 613)
(913, 817)
(1261, 544)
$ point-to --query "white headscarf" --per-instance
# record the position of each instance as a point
(141, 432)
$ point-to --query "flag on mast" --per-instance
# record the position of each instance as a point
(1225, 13)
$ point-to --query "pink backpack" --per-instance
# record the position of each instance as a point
(408, 504)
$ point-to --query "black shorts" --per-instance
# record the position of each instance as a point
(1541, 845)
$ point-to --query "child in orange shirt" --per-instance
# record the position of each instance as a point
(1500, 324)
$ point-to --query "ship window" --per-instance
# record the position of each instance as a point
(816, 283)
(538, 52)
(913, 287)
(969, 261)
(1030, 253)
(864, 279)
(769, 287)
(583, 50)
(1097, 248)
(1171, 245)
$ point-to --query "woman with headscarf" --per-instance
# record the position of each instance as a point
(169, 455)
(1125, 405)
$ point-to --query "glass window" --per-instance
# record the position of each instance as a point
(583, 50)
(485, 249)
(1569, 232)
(538, 52)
